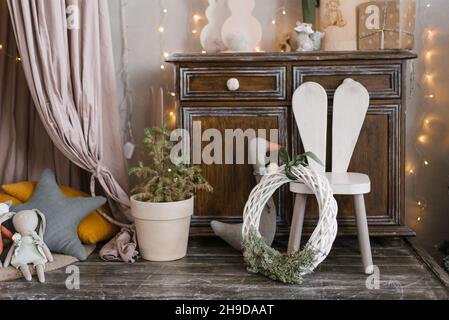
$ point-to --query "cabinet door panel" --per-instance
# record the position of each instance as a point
(377, 154)
(233, 183)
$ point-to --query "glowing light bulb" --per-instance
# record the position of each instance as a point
(172, 114)
(169, 170)
(428, 5)
(429, 77)
(18, 59)
(204, 52)
(419, 203)
(196, 18)
(161, 29)
(257, 49)
(166, 54)
(426, 163)
(284, 12)
(429, 54)
(427, 122)
(422, 139)
(411, 171)
(1, 46)
(165, 11)
(419, 219)
(162, 67)
(430, 96)
(194, 31)
(173, 94)
(273, 21)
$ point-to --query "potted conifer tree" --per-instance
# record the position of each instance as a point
(163, 200)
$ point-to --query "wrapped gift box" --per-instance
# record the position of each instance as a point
(386, 24)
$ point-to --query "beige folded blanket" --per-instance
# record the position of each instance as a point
(121, 248)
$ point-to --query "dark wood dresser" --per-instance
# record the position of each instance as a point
(263, 101)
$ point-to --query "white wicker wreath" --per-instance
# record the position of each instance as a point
(271, 263)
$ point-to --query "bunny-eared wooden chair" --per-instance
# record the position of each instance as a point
(310, 107)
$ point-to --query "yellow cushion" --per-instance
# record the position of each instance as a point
(7, 197)
(93, 229)
(21, 191)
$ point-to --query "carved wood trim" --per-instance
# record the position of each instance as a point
(393, 72)
(221, 93)
(395, 158)
(282, 114)
(317, 56)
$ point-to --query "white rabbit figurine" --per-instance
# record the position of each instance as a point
(28, 246)
(216, 14)
(242, 31)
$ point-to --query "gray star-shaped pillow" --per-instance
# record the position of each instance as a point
(63, 215)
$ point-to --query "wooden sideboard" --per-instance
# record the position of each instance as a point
(263, 101)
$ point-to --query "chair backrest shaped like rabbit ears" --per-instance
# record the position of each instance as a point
(310, 107)
(351, 103)
(311, 111)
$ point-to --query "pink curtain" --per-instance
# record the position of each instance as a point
(66, 51)
(25, 147)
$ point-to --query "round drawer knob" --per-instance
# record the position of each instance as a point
(233, 84)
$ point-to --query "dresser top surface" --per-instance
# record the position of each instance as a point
(292, 56)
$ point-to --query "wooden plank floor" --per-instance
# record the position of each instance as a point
(214, 271)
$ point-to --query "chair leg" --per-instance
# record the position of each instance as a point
(294, 242)
(363, 233)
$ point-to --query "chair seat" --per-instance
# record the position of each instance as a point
(342, 184)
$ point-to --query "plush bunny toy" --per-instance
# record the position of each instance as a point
(28, 246)
(4, 216)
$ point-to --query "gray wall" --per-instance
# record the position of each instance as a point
(429, 184)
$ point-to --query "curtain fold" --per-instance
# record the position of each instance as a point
(25, 147)
(67, 57)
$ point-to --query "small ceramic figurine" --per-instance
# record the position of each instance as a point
(308, 40)
(28, 246)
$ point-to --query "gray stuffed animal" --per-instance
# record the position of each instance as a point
(232, 233)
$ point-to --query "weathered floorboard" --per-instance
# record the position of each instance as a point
(214, 271)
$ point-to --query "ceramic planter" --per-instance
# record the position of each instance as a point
(162, 228)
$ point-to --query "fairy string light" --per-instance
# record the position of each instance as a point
(166, 96)
(4, 51)
(280, 11)
(418, 169)
(161, 29)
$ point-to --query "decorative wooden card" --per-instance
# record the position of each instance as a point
(386, 24)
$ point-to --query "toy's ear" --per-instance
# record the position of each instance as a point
(43, 225)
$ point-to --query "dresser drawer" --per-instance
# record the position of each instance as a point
(247, 83)
(382, 81)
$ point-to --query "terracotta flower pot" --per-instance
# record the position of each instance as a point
(162, 228)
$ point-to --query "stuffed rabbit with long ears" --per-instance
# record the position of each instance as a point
(28, 246)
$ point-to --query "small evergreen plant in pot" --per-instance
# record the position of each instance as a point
(163, 200)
